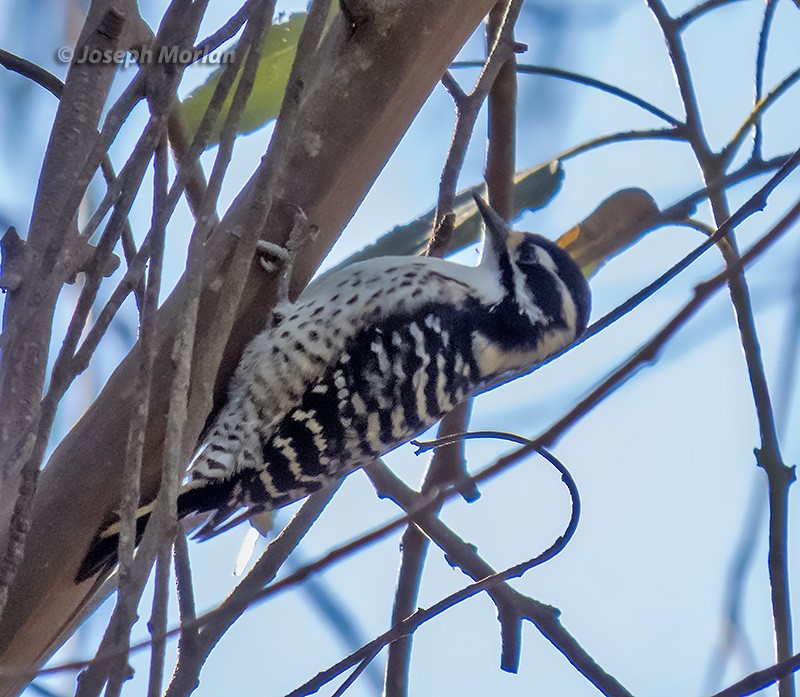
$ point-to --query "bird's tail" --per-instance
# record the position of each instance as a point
(209, 496)
(102, 554)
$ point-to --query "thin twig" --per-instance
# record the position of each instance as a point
(141, 407)
(513, 606)
(33, 72)
(116, 117)
(226, 31)
(732, 632)
(754, 118)
(623, 137)
(755, 682)
(761, 59)
(185, 588)
(581, 79)
(699, 10)
(158, 626)
(467, 108)
(128, 242)
(356, 673)
(671, 30)
(132, 279)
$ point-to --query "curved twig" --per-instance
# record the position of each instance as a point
(34, 72)
(699, 10)
(581, 79)
(676, 133)
(510, 616)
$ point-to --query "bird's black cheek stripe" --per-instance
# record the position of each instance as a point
(574, 280)
(544, 288)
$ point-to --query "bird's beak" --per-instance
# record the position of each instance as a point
(497, 231)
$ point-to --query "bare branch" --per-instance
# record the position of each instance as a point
(761, 59)
(580, 79)
(753, 119)
(623, 137)
(467, 108)
(158, 626)
(699, 10)
(33, 72)
(755, 682)
(356, 673)
(512, 606)
(226, 31)
(671, 28)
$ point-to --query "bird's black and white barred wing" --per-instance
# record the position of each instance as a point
(356, 367)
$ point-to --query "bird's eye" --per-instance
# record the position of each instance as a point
(528, 259)
(528, 254)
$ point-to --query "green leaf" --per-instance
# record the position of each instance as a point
(533, 189)
(277, 56)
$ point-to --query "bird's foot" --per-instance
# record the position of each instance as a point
(275, 258)
(272, 257)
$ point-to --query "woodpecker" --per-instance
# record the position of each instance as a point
(367, 359)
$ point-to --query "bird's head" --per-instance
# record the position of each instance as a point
(535, 273)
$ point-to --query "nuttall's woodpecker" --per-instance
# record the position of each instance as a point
(369, 358)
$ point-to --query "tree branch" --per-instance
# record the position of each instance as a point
(580, 79)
